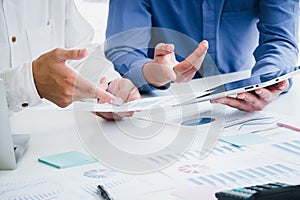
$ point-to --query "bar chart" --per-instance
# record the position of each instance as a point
(291, 147)
(261, 174)
(192, 154)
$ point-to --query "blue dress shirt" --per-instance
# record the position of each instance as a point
(261, 35)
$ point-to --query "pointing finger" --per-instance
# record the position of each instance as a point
(197, 57)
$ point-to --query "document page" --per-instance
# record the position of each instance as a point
(136, 105)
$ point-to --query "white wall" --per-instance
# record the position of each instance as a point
(96, 12)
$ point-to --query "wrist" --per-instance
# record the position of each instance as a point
(34, 75)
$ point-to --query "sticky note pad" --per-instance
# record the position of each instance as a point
(244, 139)
(68, 159)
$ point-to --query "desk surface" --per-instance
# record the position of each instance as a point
(54, 131)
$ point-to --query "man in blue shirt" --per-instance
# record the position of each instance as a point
(255, 34)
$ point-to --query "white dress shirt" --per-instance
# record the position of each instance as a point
(30, 28)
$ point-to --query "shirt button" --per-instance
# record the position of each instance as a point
(14, 39)
(24, 105)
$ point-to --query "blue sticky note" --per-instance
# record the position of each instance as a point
(244, 139)
(68, 159)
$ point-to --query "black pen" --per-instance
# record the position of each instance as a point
(104, 194)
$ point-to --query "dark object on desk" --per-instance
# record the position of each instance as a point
(270, 191)
(103, 193)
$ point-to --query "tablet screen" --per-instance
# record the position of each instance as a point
(255, 81)
(245, 85)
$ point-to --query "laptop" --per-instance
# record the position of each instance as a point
(12, 146)
(244, 85)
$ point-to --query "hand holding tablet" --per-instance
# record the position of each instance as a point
(245, 85)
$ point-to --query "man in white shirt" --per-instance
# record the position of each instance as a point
(35, 62)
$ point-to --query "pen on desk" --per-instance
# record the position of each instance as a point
(288, 126)
(104, 194)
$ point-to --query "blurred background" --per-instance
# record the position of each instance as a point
(96, 12)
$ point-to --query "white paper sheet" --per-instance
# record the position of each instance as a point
(136, 105)
(81, 183)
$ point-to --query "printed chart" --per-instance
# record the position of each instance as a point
(248, 176)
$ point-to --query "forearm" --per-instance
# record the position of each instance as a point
(274, 56)
(129, 58)
(136, 75)
(278, 28)
(127, 41)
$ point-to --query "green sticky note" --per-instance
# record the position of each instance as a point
(244, 139)
(68, 159)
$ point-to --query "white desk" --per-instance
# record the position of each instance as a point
(54, 132)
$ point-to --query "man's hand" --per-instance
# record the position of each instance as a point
(186, 69)
(159, 71)
(255, 101)
(121, 88)
(164, 68)
(61, 84)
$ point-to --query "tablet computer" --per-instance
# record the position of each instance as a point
(244, 85)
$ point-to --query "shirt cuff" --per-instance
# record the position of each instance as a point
(136, 75)
(20, 87)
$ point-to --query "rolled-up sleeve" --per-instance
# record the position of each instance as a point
(278, 35)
